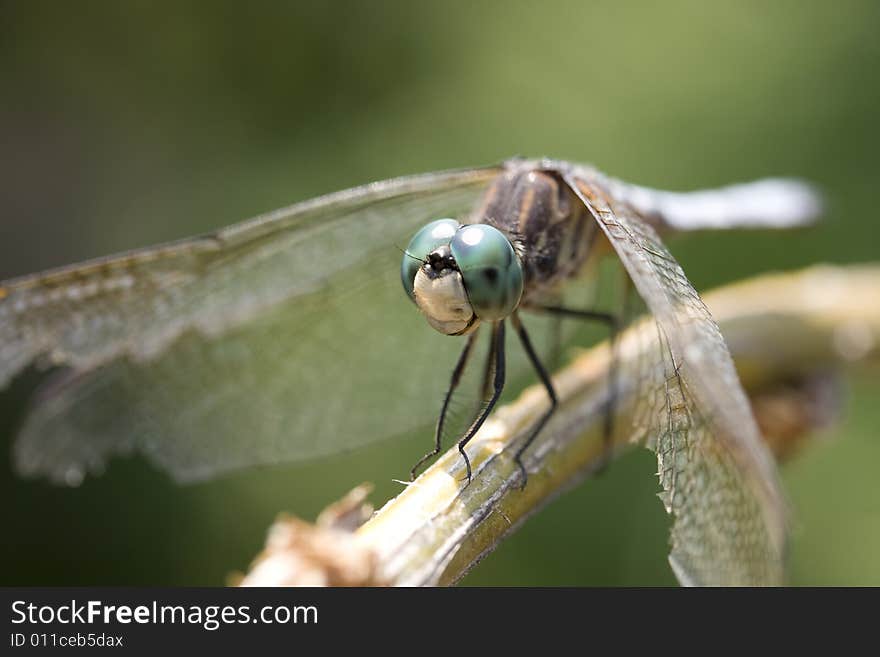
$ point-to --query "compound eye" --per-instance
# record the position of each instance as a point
(429, 238)
(490, 269)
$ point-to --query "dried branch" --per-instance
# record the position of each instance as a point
(787, 332)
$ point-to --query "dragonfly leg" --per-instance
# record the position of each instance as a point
(453, 384)
(488, 375)
(614, 323)
(496, 348)
(548, 384)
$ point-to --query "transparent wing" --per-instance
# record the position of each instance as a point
(718, 479)
(273, 340)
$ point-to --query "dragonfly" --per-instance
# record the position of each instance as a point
(286, 337)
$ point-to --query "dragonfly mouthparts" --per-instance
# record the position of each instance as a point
(440, 261)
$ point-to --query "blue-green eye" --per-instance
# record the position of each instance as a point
(491, 271)
(430, 237)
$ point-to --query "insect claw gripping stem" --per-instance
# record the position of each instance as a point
(548, 385)
(614, 325)
(522, 469)
(467, 463)
(453, 384)
(496, 348)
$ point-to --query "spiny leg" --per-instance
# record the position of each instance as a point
(497, 348)
(453, 384)
(548, 384)
(488, 375)
(614, 323)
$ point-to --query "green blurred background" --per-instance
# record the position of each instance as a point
(124, 124)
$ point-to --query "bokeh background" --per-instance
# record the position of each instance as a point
(125, 124)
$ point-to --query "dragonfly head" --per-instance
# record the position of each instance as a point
(460, 275)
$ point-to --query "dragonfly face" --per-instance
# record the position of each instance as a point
(173, 351)
(461, 275)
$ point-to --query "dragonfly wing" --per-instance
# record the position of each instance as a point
(719, 480)
(273, 340)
